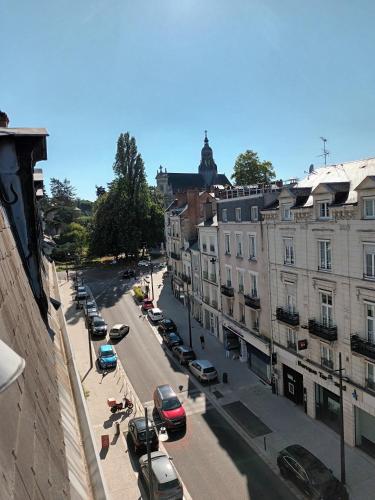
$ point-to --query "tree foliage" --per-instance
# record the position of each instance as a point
(99, 191)
(62, 192)
(249, 169)
(129, 214)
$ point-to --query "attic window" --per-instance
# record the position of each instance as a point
(323, 210)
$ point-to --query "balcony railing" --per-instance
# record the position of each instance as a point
(323, 331)
(370, 384)
(175, 256)
(287, 317)
(327, 363)
(362, 346)
(186, 278)
(253, 302)
(227, 290)
(291, 345)
(240, 288)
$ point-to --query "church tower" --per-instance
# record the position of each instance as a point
(207, 167)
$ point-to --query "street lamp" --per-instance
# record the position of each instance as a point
(342, 440)
(152, 281)
(189, 319)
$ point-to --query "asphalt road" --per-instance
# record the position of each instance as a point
(212, 459)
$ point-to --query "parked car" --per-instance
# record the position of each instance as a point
(128, 273)
(118, 331)
(169, 407)
(91, 313)
(107, 357)
(167, 325)
(90, 304)
(98, 326)
(137, 432)
(183, 354)
(172, 339)
(309, 474)
(155, 314)
(203, 369)
(82, 289)
(143, 263)
(147, 304)
(78, 282)
(165, 481)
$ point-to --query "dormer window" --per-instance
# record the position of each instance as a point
(369, 208)
(324, 210)
(286, 213)
(254, 213)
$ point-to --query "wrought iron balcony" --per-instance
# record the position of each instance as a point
(253, 302)
(186, 278)
(291, 345)
(362, 346)
(227, 290)
(175, 256)
(327, 363)
(323, 331)
(287, 317)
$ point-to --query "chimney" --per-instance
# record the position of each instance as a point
(4, 120)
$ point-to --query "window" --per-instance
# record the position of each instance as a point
(240, 280)
(370, 381)
(286, 213)
(254, 320)
(241, 309)
(227, 243)
(239, 245)
(291, 339)
(238, 214)
(369, 208)
(230, 307)
(325, 255)
(212, 244)
(225, 215)
(288, 251)
(254, 213)
(204, 245)
(369, 271)
(326, 308)
(323, 210)
(370, 322)
(326, 356)
(291, 303)
(229, 276)
(253, 285)
(252, 247)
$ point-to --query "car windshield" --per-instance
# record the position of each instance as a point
(115, 330)
(107, 354)
(99, 322)
(168, 485)
(142, 435)
(210, 369)
(171, 404)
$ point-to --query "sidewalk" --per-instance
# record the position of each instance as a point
(288, 423)
(120, 476)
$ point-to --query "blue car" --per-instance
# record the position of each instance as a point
(107, 357)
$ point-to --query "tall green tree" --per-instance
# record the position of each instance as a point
(62, 192)
(249, 169)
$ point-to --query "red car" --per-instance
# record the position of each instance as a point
(169, 408)
(147, 304)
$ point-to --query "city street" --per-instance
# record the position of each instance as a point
(212, 458)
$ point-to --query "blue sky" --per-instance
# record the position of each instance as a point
(257, 74)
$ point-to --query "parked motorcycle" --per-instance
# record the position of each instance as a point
(123, 405)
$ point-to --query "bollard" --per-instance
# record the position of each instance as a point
(225, 378)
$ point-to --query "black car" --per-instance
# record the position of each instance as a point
(137, 432)
(98, 326)
(128, 273)
(183, 354)
(172, 339)
(167, 325)
(309, 474)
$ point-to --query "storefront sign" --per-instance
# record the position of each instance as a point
(302, 344)
(307, 368)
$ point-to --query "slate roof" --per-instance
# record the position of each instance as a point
(181, 182)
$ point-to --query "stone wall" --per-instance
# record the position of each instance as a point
(32, 450)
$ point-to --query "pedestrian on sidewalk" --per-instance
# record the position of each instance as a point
(202, 341)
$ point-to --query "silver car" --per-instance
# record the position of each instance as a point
(118, 331)
(166, 483)
(203, 369)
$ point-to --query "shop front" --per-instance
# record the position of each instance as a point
(231, 339)
(327, 407)
(259, 362)
(365, 431)
(178, 288)
(293, 385)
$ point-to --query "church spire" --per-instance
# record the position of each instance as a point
(207, 167)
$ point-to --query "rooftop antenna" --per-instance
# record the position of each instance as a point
(325, 152)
